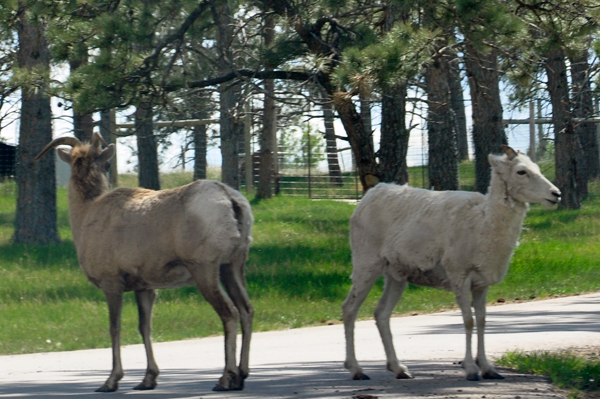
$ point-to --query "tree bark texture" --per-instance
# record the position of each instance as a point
(108, 127)
(148, 175)
(333, 160)
(457, 102)
(230, 131)
(443, 156)
(566, 141)
(35, 219)
(583, 107)
(83, 124)
(488, 130)
(200, 149)
(268, 136)
(394, 135)
(360, 140)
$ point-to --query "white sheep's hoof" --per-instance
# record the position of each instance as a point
(492, 375)
(360, 376)
(404, 375)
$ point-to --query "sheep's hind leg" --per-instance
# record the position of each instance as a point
(392, 293)
(232, 277)
(207, 280)
(362, 283)
(479, 303)
(115, 307)
(145, 301)
(463, 299)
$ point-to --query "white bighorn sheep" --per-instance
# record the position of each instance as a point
(452, 240)
(133, 239)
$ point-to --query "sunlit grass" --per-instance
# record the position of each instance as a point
(577, 373)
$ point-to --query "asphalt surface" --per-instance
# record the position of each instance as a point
(308, 362)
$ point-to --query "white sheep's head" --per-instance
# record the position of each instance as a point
(523, 178)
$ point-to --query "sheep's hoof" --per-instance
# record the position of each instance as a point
(360, 376)
(145, 386)
(473, 377)
(108, 388)
(404, 375)
(221, 388)
(492, 375)
(234, 383)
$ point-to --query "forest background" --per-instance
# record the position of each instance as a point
(273, 65)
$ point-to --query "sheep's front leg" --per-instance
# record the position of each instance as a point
(479, 303)
(115, 306)
(463, 299)
(392, 293)
(145, 301)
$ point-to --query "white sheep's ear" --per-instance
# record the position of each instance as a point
(64, 155)
(494, 160)
(106, 154)
(510, 153)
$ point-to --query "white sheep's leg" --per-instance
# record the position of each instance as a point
(208, 285)
(362, 283)
(232, 277)
(392, 292)
(145, 301)
(463, 299)
(115, 306)
(479, 303)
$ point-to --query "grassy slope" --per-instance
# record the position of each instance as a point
(297, 275)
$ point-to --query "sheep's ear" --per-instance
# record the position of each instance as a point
(106, 154)
(510, 153)
(64, 155)
(494, 160)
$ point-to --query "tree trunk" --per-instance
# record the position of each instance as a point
(566, 141)
(457, 102)
(443, 156)
(108, 129)
(268, 136)
(394, 135)
(35, 219)
(83, 124)
(200, 148)
(360, 141)
(488, 130)
(583, 107)
(333, 161)
(148, 176)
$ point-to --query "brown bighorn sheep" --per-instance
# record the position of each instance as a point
(453, 240)
(133, 239)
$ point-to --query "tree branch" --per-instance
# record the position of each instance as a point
(247, 73)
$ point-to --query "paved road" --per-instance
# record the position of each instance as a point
(307, 363)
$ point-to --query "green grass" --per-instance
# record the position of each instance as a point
(576, 373)
(298, 275)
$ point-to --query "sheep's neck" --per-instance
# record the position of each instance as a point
(504, 218)
(81, 194)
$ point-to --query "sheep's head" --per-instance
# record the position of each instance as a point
(88, 162)
(523, 178)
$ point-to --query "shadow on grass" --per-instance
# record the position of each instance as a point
(38, 256)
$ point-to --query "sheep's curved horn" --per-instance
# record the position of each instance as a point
(72, 141)
(97, 138)
(509, 152)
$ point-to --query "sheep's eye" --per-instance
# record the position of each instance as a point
(521, 172)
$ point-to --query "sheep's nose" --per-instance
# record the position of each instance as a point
(556, 193)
